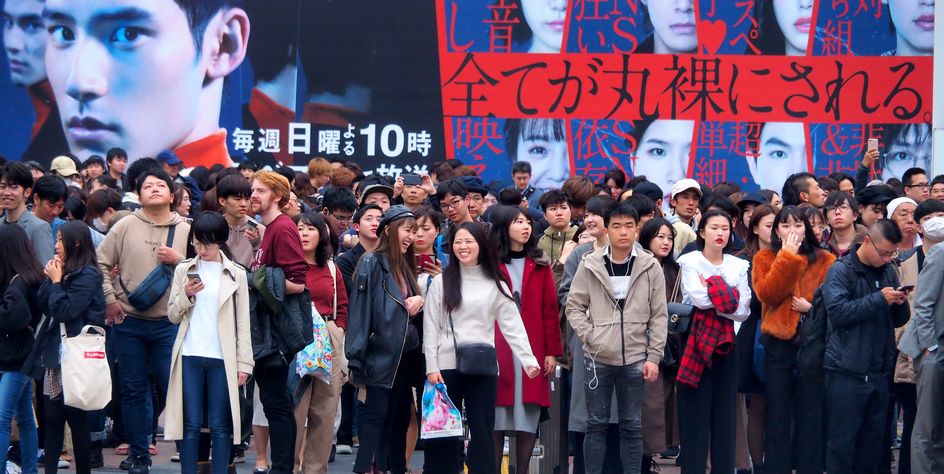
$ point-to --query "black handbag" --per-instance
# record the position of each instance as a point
(154, 285)
(680, 314)
(476, 358)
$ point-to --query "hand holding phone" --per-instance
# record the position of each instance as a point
(873, 144)
(906, 288)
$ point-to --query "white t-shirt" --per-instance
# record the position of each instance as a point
(203, 335)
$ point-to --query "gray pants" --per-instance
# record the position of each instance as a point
(927, 439)
(601, 381)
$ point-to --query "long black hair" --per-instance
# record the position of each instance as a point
(502, 218)
(700, 240)
(18, 257)
(809, 248)
(650, 230)
(452, 275)
(77, 246)
(323, 249)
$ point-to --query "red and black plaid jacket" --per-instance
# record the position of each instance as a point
(710, 333)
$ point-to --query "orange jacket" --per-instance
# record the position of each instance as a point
(777, 278)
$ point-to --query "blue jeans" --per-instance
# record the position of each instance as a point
(144, 350)
(16, 399)
(205, 391)
(601, 380)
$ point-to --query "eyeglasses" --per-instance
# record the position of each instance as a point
(842, 208)
(883, 253)
(454, 204)
(341, 218)
(11, 187)
(921, 186)
(202, 245)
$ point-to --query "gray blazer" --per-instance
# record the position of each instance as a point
(927, 320)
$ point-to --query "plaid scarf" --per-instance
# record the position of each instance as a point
(710, 334)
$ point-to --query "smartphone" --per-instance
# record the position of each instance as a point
(252, 223)
(194, 276)
(873, 144)
(423, 260)
(411, 179)
(906, 288)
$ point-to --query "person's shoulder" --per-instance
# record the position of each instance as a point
(735, 262)
(690, 258)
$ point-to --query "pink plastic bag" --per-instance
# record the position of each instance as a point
(441, 418)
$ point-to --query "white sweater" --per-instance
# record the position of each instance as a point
(482, 305)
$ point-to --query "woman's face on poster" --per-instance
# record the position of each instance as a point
(781, 152)
(909, 149)
(673, 25)
(546, 18)
(795, 18)
(550, 165)
(914, 26)
(663, 152)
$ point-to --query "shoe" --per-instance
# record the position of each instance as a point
(175, 457)
(239, 457)
(12, 468)
(670, 453)
(152, 450)
(63, 464)
(141, 465)
(123, 449)
(260, 470)
(96, 460)
(344, 449)
(126, 463)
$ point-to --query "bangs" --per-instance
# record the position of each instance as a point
(543, 129)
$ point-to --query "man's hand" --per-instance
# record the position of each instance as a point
(114, 314)
(398, 187)
(650, 371)
(168, 255)
(869, 157)
(252, 234)
(414, 305)
(893, 296)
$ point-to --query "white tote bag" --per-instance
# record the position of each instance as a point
(86, 378)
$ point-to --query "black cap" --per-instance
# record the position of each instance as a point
(395, 213)
(650, 190)
(474, 184)
(752, 198)
(376, 188)
(876, 194)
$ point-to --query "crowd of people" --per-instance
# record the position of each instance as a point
(769, 331)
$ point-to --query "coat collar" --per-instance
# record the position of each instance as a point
(228, 284)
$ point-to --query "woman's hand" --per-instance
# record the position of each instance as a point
(800, 305)
(432, 268)
(242, 378)
(414, 305)
(54, 270)
(533, 371)
(550, 364)
(435, 378)
(792, 242)
(193, 287)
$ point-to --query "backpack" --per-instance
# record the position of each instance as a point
(811, 338)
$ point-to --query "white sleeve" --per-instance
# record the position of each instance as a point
(744, 302)
(692, 288)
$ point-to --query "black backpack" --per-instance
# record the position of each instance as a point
(811, 338)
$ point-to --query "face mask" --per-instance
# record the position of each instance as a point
(934, 229)
(99, 225)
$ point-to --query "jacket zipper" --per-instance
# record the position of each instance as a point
(405, 329)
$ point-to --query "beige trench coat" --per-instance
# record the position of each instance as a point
(235, 340)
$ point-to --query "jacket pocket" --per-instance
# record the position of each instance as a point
(604, 341)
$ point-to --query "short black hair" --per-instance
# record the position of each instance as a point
(839, 177)
(210, 228)
(74, 209)
(600, 205)
(50, 188)
(159, 174)
(718, 201)
(622, 209)
(115, 152)
(233, 186)
(19, 174)
(452, 186)
(643, 204)
(617, 175)
(324, 247)
(510, 196)
(337, 198)
(100, 201)
(794, 185)
(138, 168)
(927, 207)
(838, 199)
(363, 210)
(939, 179)
(521, 167)
(911, 173)
(92, 160)
(273, 45)
(554, 197)
(199, 13)
(828, 184)
(887, 229)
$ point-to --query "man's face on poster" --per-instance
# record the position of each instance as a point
(126, 73)
(910, 148)
(24, 39)
(782, 152)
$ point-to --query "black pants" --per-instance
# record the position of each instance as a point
(57, 414)
(271, 374)
(907, 395)
(346, 429)
(857, 427)
(477, 393)
(382, 429)
(795, 414)
(709, 412)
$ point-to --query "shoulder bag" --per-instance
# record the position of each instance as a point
(155, 284)
(680, 314)
(476, 358)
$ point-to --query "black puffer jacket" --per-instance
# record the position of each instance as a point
(378, 326)
(857, 316)
(19, 315)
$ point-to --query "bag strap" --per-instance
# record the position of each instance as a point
(170, 243)
(675, 289)
(334, 281)
(454, 343)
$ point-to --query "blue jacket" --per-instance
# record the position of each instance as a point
(857, 315)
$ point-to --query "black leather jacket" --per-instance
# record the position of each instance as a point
(378, 327)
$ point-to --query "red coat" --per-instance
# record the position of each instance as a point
(539, 313)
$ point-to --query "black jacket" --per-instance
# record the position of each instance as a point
(271, 302)
(857, 315)
(78, 300)
(19, 315)
(347, 262)
(378, 325)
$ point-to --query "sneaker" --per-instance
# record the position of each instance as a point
(63, 464)
(670, 453)
(126, 463)
(96, 460)
(141, 465)
(344, 449)
(12, 468)
(239, 457)
(175, 457)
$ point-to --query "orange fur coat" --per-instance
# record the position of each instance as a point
(777, 279)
